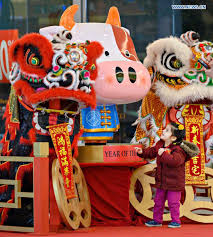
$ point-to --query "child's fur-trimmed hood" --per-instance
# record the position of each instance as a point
(190, 148)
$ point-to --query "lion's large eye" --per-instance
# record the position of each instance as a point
(176, 63)
(34, 61)
(32, 56)
(170, 61)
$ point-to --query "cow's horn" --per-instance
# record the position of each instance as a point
(67, 18)
(113, 17)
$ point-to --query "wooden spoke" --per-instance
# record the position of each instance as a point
(77, 210)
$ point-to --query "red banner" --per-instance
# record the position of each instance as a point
(124, 153)
(7, 37)
(195, 167)
(61, 141)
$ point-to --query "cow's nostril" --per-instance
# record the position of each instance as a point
(132, 75)
(119, 74)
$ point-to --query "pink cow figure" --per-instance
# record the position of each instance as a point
(121, 78)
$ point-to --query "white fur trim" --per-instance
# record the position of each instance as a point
(191, 93)
(170, 45)
(133, 141)
(145, 141)
(50, 31)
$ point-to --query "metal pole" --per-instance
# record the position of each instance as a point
(173, 19)
(84, 10)
(27, 16)
(78, 14)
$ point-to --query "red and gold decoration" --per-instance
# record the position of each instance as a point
(77, 55)
(195, 167)
(151, 105)
(61, 141)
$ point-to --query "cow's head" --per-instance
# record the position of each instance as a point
(121, 76)
(180, 69)
(54, 78)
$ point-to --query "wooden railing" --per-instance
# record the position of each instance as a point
(40, 192)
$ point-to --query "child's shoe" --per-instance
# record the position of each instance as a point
(174, 225)
(153, 223)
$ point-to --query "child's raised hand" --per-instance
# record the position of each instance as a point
(138, 150)
(161, 151)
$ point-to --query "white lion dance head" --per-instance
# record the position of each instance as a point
(182, 73)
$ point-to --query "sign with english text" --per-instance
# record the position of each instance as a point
(7, 37)
(124, 153)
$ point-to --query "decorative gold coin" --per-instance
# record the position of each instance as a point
(74, 211)
(194, 208)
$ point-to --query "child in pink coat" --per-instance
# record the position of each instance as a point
(171, 152)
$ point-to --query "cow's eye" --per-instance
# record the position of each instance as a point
(127, 53)
(106, 53)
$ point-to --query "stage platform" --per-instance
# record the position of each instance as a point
(188, 230)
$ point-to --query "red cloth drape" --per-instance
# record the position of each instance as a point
(109, 195)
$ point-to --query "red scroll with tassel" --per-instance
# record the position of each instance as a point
(195, 167)
(61, 141)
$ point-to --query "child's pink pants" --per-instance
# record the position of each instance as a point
(173, 198)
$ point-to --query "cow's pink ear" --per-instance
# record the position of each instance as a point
(113, 17)
(67, 18)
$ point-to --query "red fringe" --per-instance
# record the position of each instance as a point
(32, 135)
(5, 151)
(23, 88)
(75, 143)
(10, 127)
(16, 53)
(4, 213)
(95, 50)
(5, 166)
(3, 188)
(19, 176)
(25, 141)
(22, 169)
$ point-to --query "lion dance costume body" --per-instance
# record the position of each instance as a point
(50, 82)
(181, 71)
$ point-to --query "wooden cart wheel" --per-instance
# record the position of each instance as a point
(74, 211)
